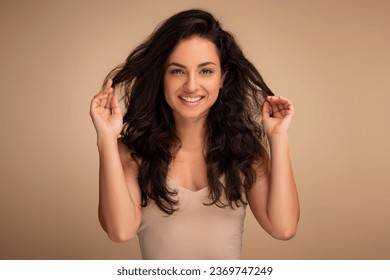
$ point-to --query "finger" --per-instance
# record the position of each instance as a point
(273, 104)
(286, 105)
(95, 105)
(103, 94)
(107, 89)
(280, 104)
(281, 107)
(290, 106)
(106, 95)
(105, 100)
(96, 101)
(115, 109)
(108, 84)
(277, 100)
(102, 98)
(266, 110)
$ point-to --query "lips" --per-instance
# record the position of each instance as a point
(191, 99)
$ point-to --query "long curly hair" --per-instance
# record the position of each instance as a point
(234, 135)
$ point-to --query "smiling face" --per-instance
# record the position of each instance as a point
(192, 78)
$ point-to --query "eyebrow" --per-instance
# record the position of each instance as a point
(183, 66)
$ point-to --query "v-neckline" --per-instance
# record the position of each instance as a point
(182, 187)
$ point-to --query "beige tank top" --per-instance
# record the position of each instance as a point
(194, 231)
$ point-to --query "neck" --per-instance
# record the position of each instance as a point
(191, 133)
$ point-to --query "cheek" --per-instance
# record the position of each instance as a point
(170, 84)
(214, 87)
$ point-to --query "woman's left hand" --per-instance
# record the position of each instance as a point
(277, 115)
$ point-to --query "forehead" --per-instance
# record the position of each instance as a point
(194, 50)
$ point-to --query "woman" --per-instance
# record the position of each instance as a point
(179, 168)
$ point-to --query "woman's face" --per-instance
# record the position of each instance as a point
(192, 78)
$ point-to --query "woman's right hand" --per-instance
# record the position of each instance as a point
(105, 113)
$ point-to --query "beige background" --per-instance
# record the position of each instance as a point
(330, 57)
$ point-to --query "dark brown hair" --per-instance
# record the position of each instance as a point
(235, 137)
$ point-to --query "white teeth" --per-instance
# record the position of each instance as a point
(191, 99)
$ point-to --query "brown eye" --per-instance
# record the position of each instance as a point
(177, 71)
(206, 71)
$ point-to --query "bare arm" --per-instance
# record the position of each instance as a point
(119, 194)
(273, 199)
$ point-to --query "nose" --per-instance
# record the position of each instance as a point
(191, 83)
